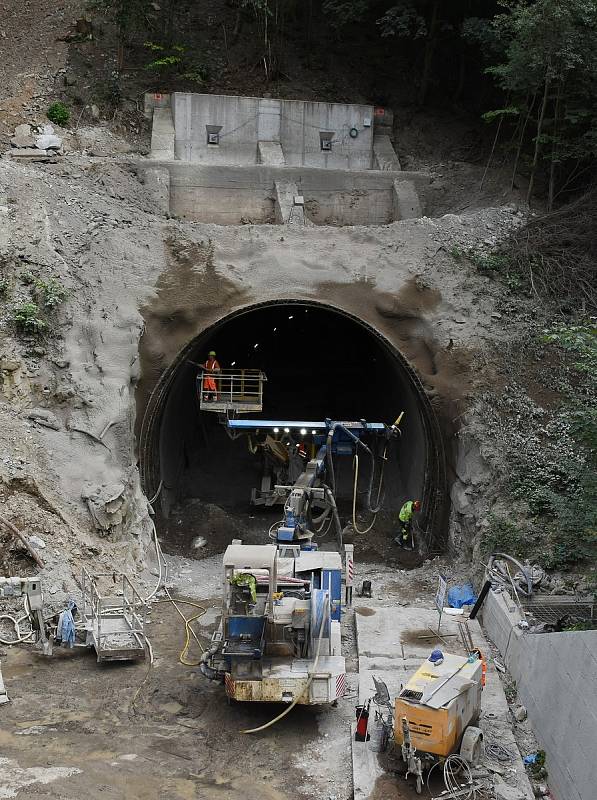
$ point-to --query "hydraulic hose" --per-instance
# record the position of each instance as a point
(355, 489)
(309, 679)
(359, 443)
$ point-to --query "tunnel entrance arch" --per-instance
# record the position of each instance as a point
(321, 361)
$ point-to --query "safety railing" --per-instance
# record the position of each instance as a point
(116, 622)
(231, 390)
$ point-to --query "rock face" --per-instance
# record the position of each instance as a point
(107, 505)
(44, 417)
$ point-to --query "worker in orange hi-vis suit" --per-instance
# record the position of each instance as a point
(211, 367)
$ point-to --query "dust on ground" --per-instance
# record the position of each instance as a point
(129, 732)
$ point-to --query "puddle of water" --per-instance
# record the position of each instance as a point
(217, 786)
(364, 611)
(423, 637)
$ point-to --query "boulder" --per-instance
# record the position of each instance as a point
(107, 504)
(520, 714)
(48, 139)
(22, 137)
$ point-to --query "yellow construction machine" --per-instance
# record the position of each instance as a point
(435, 714)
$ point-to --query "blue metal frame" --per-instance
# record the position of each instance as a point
(268, 424)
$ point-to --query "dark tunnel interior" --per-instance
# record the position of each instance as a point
(320, 363)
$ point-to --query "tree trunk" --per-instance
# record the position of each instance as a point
(538, 136)
(461, 78)
(429, 51)
(554, 150)
(489, 160)
(521, 140)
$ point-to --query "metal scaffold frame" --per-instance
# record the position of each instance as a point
(115, 624)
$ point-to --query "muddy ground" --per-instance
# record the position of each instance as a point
(75, 728)
(124, 732)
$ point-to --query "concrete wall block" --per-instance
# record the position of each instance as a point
(157, 182)
(208, 193)
(154, 100)
(384, 155)
(294, 124)
(270, 153)
(406, 203)
(557, 683)
(162, 134)
(284, 193)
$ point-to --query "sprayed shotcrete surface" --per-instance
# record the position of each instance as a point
(142, 287)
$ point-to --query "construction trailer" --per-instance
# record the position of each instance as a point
(279, 638)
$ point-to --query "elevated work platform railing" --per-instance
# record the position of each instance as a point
(115, 622)
(231, 390)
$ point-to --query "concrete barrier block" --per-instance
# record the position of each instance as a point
(162, 135)
(384, 155)
(270, 153)
(406, 203)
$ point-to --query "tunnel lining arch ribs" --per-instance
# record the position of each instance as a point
(435, 481)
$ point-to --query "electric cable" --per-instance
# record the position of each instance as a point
(455, 765)
(188, 629)
(20, 638)
(307, 684)
(161, 560)
(157, 494)
(497, 752)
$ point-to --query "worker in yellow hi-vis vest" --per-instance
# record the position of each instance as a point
(406, 536)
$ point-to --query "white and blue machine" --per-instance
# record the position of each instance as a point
(279, 639)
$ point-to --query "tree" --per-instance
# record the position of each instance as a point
(427, 25)
(548, 72)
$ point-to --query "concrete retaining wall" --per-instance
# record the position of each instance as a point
(556, 677)
(296, 125)
(230, 195)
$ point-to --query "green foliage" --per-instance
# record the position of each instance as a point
(504, 536)
(36, 316)
(27, 278)
(490, 116)
(580, 340)
(174, 60)
(58, 113)
(552, 461)
(344, 12)
(51, 293)
(27, 319)
(405, 20)
(543, 56)
(488, 262)
(496, 263)
(457, 253)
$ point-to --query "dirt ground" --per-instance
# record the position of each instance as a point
(121, 732)
(130, 732)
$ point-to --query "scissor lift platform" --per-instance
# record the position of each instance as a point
(115, 622)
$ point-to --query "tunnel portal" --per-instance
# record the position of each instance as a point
(320, 363)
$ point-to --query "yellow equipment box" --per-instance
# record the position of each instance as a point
(439, 702)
